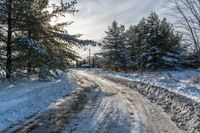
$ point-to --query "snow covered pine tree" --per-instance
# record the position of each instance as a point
(156, 46)
(116, 53)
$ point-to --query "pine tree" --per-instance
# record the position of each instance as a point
(6, 13)
(135, 37)
(26, 42)
(115, 49)
(30, 37)
(154, 44)
(132, 37)
(10, 12)
(56, 40)
(152, 40)
(163, 45)
(170, 46)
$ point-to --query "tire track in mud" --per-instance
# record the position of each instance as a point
(182, 110)
(55, 118)
(123, 110)
(96, 116)
(100, 106)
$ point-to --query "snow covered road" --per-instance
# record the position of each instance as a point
(117, 109)
(101, 106)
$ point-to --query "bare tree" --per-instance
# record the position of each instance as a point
(187, 13)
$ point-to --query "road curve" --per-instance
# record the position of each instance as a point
(100, 106)
(114, 108)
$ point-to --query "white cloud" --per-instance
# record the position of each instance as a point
(95, 16)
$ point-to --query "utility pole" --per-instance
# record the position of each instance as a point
(89, 56)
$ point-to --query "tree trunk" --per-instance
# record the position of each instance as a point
(29, 65)
(9, 42)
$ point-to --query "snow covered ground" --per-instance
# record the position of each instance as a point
(25, 98)
(114, 108)
(184, 82)
(100, 106)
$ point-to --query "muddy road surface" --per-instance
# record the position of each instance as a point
(100, 106)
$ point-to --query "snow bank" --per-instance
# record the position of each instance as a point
(183, 111)
(185, 82)
(24, 99)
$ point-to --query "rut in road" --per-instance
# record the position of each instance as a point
(117, 109)
(101, 106)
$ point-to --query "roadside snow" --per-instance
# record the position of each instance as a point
(185, 82)
(25, 98)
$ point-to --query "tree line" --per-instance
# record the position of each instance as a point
(152, 44)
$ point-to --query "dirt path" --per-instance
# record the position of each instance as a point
(101, 106)
(118, 109)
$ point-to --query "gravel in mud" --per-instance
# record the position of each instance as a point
(183, 111)
(117, 109)
(101, 106)
(54, 119)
